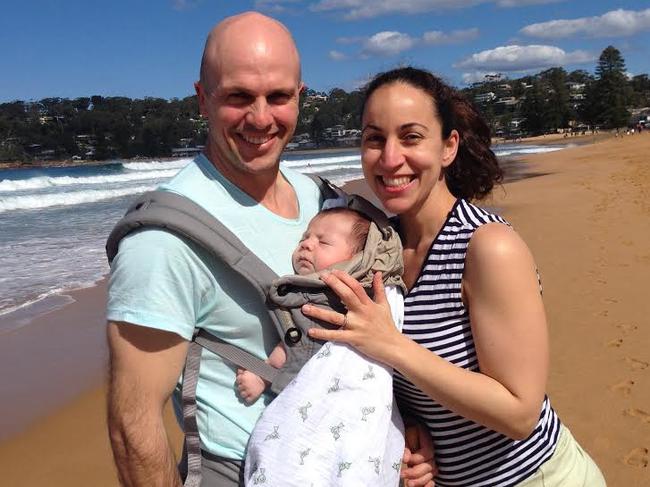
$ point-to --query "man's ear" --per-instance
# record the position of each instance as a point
(201, 95)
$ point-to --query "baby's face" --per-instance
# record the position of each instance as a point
(326, 242)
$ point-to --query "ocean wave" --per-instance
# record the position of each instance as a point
(12, 308)
(10, 185)
(526, 150)
(320, 160)
(156, 165)
(67, 199)
(329, 167)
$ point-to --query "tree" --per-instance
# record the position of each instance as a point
(610, 94)
(640, 86)
(532, 109)
(557, 109)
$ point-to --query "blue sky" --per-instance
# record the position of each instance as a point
(135, 48)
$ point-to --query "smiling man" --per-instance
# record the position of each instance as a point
(163, 287)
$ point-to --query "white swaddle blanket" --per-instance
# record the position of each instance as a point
(335, 424)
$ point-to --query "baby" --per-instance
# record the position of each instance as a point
(334, 235)
(336, 423)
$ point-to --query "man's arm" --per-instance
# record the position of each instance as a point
(145, 364)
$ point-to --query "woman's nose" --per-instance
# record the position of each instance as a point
(392, 156)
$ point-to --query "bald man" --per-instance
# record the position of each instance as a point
(162, 287)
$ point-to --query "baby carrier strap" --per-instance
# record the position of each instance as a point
(181, 216)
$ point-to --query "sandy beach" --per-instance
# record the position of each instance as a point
(584, 212)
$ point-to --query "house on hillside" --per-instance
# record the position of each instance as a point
(485, 97)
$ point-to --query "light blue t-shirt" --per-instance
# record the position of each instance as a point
(162, 281)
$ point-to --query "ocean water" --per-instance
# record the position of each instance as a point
(54, 221)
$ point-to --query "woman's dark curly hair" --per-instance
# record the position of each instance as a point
(475, 169)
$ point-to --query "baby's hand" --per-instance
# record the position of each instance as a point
(250, 386)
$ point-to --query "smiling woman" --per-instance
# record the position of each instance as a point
(472, 359)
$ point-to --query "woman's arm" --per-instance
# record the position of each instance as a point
(509, 327)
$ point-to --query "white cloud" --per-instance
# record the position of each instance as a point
(437, 37)
(184, 4)
(524, 3)
(387, 43)
(350, 40)
(362, 9)
(391, 43)
(616, 23)
(274, 6)
(476, 76)
(337, 55)
(522, 58)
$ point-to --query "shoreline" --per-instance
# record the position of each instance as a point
(578, 210)
(549, 139)
(72, 301)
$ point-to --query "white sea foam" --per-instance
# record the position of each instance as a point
(317, 161)
(9, 185)
(525, 150)
(156, 165)
(329, 167)
(33, 301)
(67, 199)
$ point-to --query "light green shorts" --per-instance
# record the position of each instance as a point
(570, 466)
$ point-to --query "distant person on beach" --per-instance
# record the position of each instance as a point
(339, 411)
(162, 288)
(472, 359)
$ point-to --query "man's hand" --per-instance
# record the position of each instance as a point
(418, 457)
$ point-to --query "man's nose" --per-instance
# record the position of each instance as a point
(259, 115)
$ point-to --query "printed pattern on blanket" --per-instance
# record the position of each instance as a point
(335, 424)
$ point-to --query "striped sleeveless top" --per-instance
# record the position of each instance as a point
(467, 453)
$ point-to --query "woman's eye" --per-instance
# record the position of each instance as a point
(373, 138)
(412, 137)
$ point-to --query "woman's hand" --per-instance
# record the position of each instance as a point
(420, 466)
(367, 326)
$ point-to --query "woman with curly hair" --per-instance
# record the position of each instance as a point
(472, 360)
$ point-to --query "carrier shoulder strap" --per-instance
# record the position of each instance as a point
(180, 215)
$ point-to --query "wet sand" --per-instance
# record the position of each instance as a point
(585, 214)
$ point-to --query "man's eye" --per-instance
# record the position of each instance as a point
(279, 98)
(238, 98)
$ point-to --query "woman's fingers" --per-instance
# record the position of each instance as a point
(327, 315)
(327, 335)
(378, 288)
(346, 287)
(406, 457)
(354, 285)
(418, 475)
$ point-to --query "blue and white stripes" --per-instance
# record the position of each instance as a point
(467, 453)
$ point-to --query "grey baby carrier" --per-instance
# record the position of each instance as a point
(284, 297)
